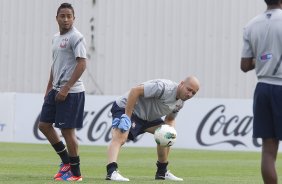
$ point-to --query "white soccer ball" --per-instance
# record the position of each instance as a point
(165, 135)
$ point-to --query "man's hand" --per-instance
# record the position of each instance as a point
(63, 93)
(124, 123)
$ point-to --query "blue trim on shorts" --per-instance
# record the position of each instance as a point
(66, 114)
(138, 125)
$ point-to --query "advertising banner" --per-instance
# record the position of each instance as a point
(219, 124)
(6, 116)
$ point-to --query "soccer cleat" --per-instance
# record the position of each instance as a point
(64, 168)
(69, 177)
(168, 176)
(115, 176)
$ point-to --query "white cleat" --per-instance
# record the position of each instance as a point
(115, 176)
(168, 176)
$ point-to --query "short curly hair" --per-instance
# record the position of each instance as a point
(272, 2)
(65, 5)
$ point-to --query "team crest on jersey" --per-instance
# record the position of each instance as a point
(64, 43)
(266, 57)
(133, 124)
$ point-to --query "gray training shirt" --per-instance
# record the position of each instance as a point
(159, 100)
(263, 41)
(65, 49)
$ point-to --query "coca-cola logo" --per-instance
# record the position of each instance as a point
(96, 124)
(216, 123)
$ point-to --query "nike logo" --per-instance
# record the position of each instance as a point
(61, 123)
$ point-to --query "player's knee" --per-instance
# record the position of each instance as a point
(68, 133)
(123, 142)
(44, 126)
(118, 140)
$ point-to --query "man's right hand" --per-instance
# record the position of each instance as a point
(124, 123)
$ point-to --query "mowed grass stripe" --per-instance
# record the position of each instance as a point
(37, 163)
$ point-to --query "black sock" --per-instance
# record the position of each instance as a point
(111, 167)
(61, 150)
(162, 168)
(74, 164)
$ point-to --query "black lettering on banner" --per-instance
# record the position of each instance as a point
(36, 131)
(234, 126)
(101, 128)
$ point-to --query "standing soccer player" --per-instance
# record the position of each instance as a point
(262, 51)
(64, 97)
(141, 110)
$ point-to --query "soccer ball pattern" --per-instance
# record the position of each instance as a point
(165, 135)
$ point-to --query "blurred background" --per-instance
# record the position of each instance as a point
(131, 41)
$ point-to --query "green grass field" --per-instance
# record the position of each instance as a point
(37, 163)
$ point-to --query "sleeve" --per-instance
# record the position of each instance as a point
(154, 89)
(79, 46)
(247, 51)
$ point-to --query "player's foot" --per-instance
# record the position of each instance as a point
(115, 176)
(167, 176)
(69, 177)
(64, 168)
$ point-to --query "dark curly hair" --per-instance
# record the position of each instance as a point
(272, 2)
(65, 5)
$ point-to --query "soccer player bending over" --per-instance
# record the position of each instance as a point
(141, 110)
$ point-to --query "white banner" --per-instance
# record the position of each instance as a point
(220, 124)
(6, 116)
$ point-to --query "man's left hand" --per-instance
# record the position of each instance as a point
(63, 93)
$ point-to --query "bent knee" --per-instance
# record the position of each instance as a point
(119, 139)
(43, 126)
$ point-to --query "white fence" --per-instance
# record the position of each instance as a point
(131, 41)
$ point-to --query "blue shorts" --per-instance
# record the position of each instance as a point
(66, 114)
(267, 110)
(138, 125)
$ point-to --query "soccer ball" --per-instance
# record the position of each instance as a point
(165, 135)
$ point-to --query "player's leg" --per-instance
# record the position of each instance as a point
(54, 139)
(161, 150)
(47, 116)
(50, 133)
(266, 126)
(69, 117)
(270, 145)
(268, 159)
(72, 145)
(162, 161)
(162, 172)
(118, 139)
(162, 153)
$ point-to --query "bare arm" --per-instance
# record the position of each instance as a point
(133, 96)
(49, 85)
(170, 119)
(78, 71)
(247, 64)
